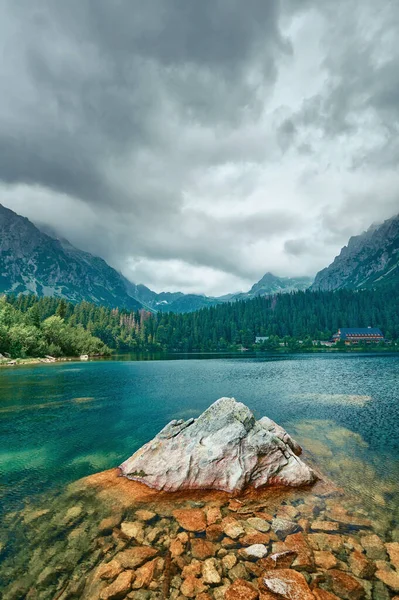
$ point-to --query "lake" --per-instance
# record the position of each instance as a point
(61, 422)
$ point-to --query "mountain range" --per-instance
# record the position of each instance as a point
(178, 302)
(33, 260)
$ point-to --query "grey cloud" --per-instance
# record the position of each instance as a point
(224, 233)
(296, 247)
(105, 77)
(158, 120)
(286, 134)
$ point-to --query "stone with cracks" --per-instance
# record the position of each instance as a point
(225, 448)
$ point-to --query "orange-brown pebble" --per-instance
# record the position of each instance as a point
(192, 570)
(344, 585)
(298, 543)
(278, 560)
(119, 588)
(284, 583)
(390, 578)
(213, 515)
(176, 547)
(202, 549)
(192, 587)
(145, 574)
(255, 537)
(325, 559)
(241, 590)
(234, 505)
(191, 519)
(393, 551)
(327, 526)
(109, 570)
(204, 596)
(135, 557)
(214, 533)
(107, 525)
(145, 515)
(360, 566)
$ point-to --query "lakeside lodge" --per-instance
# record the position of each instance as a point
(348, 335)
(355, 335)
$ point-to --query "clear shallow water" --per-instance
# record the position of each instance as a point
(61, 422)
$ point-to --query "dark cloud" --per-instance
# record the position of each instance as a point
(286, 133)
(203, 139)
(296, 247)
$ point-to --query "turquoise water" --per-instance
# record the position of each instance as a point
(64, 421)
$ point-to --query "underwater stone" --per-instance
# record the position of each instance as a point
(225, 448)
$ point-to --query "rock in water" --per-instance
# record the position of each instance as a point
(225, 448)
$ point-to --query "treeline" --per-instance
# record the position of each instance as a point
(285, 318)
(41, 329)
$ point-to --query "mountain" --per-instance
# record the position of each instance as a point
(32, 261)
(370, 260)
(178, 302)
(38, 261)
(271, 284)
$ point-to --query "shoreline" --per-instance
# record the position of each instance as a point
(15, 362)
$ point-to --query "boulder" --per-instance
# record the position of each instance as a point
(225, 448)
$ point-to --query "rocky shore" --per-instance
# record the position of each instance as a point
(12, 362)
(47, 360)
(108, 537)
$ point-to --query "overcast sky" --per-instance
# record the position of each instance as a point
(196, 145)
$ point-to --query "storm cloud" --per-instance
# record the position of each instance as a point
(197, 145)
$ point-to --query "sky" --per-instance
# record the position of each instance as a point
(194, 145)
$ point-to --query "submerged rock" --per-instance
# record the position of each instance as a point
(225, 448)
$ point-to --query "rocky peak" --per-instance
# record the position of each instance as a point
(33, 262)
(225, 448)
(370, 259)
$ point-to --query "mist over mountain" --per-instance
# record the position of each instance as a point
(37, 261)
(33, 262)
(40, 262)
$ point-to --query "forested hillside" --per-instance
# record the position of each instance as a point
(302, 316)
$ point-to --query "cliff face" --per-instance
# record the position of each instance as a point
(32, 261)
(369, 260)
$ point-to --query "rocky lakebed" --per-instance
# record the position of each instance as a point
(268, 526)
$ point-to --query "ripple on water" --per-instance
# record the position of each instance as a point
(57, 425)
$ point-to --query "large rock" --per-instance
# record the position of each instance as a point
(224, 449)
